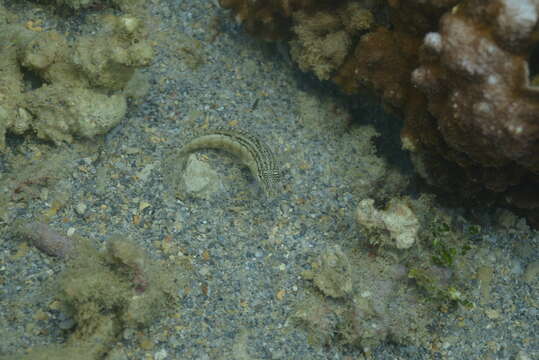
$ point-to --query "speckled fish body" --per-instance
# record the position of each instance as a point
(255, 154)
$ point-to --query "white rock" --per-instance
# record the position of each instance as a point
(199, 179)
(398, 221)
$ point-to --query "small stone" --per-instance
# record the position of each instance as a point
(507, 219)
(204, 271)
(531, 274)
(522, 356)
(492, 314)
(332, 273)
(67, 324)
(143, 205)
(130, 23)
(200, 179)
(41, 315)
(55, 305)
(128, 334)
(160, 355)
(80, 208)
(44, 194)
(146, 344)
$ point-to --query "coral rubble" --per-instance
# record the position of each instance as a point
(362, 298)
(46, 239)
(397, 225)
(361, 301)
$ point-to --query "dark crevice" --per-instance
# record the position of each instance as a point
(31, 80)
(533, 65)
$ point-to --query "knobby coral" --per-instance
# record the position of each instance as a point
(475, 74)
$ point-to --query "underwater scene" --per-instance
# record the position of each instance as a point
(269, 179)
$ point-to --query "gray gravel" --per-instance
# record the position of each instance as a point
(247, 252)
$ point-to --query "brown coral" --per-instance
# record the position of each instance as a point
(323, 39)
(383, 59)
(457, 72)
(272, 19)
(475, 74)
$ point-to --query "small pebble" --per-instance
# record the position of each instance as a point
(67, 324)
(80, 208)
(160, 355)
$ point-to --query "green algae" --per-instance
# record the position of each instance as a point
(106, 292)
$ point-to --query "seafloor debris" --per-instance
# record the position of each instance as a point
(396, 226)
(46, 239)
(104, 292)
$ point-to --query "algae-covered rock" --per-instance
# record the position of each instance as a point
(365, 296)
(43, 49)
(64, 88)
(61, 113)
(110, 59)
(111, 290)
(105, 292)
(366, 302)
(332, 273)
(319, 319)
(11, 85)
(396, 226)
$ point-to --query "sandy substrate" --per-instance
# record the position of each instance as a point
(246, 253)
